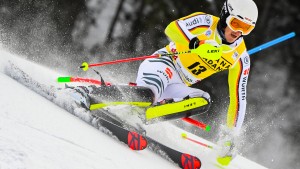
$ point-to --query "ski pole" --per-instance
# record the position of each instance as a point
(197, 123)
(271, 43)
(85, 66)
(80, 79)
(184, 135)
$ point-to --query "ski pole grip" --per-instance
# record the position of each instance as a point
(84, 66)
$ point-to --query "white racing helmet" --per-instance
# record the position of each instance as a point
(238, 15)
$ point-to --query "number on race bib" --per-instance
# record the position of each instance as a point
(196, 68)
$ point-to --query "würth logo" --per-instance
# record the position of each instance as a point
(169, 73)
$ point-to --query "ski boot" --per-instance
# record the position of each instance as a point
(226, 155)
(227, 149)
(175, 108)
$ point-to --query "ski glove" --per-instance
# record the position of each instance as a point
(208, 49)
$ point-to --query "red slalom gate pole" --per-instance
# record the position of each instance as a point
(80, 79)
(184, 135)
(197, 123)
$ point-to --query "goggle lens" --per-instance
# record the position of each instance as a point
(238, 25)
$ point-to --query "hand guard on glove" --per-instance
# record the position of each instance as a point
(208, 49)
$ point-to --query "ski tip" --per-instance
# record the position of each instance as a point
(190, 162)
(136, 141)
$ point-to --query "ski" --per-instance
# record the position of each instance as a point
(176, 110)
(183, 160)
(134, 140)
(124, 132)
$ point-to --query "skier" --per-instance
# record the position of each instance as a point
(217, 44)
(170, 77)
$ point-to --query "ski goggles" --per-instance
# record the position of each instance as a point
(236, 24)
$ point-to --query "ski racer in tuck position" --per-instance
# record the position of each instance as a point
(219, 45)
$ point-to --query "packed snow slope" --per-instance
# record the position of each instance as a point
(35, 133)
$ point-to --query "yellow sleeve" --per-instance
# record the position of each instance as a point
(237, 81)
(233, 81)
(178, 32)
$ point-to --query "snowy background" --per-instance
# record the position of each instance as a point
(63, 34)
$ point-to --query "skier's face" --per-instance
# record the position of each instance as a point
(231, 35)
